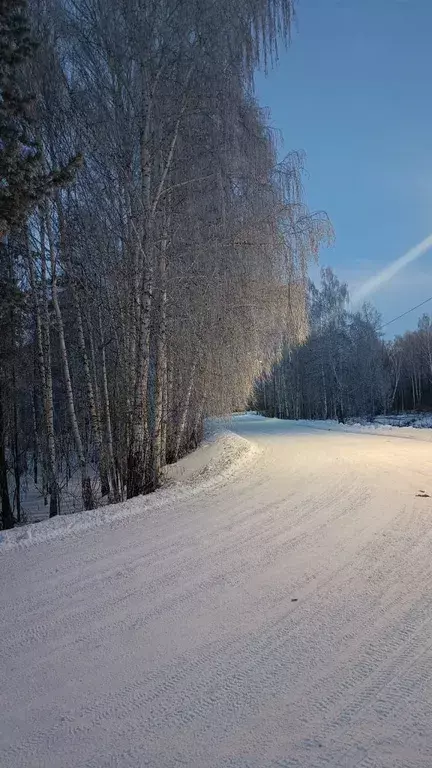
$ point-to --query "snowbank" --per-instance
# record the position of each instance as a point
(418, 431)
(416, 420)
(222, 455)
(408, 425)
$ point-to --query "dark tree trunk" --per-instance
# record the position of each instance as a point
(6, 509)
(16, 450)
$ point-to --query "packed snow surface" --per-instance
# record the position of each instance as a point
(271, 607)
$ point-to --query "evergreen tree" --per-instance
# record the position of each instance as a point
(23, 181)
(19, 155)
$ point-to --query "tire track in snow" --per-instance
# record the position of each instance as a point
(172, 639)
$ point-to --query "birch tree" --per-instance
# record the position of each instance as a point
(175, 266)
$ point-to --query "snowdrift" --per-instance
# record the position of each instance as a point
(221, 456)
(418, 431)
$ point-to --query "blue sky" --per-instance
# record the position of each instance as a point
(354, 91)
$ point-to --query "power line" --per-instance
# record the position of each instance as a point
(384, 325)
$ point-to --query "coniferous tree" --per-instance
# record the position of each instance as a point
(24, 182)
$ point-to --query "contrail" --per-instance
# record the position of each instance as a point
(386, 274)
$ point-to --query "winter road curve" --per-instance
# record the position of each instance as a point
(280, 618)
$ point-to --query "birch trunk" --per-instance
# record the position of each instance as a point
(94, 366)
(161, 370)
(197, 431)
(324, 386)
(44, 357)
(168, 421)
(86, 488)
(15, 451)
(143, 292)
(164, 424)
(138, 452)
(184, 413)
(91, 397)
(112, 475)
(36, 440)
(6, 509)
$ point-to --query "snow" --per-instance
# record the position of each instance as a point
(33, 506)
(417, 420)
(272, 607)
(405, 425)
(222, 455)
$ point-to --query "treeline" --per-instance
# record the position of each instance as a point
(153, 252)
(345, 368)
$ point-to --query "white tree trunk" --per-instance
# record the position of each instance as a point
(185, 413)
(44, 359)
(159, 429)
(112, 474)
(87, 494)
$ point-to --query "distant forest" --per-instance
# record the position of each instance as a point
(346, 368)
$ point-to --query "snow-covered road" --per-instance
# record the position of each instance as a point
(279, 617)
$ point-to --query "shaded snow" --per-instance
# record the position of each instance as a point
(272, 608)
(222, 455)
(417, 420)
(389, 426)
